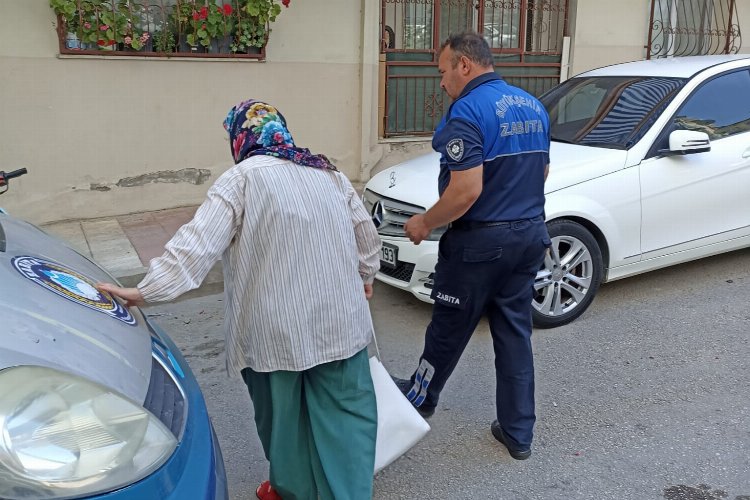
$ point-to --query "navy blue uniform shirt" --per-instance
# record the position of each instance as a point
(505, 129)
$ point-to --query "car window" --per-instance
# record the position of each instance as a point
(719, 107)
(611, 112)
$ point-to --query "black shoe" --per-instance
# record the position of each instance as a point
(499, 434)
(405, 385)
(425, 411)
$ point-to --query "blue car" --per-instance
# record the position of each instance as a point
(95, 401)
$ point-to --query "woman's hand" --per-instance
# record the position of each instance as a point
(131, 296)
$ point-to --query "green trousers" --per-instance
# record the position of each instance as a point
(318, 428)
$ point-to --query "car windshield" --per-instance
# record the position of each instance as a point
(607, 111)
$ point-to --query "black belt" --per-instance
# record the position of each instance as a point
(476, 224)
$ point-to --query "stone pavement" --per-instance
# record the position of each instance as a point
(124, 245)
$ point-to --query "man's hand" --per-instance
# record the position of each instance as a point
(131, 296)
(463, 190)
(416, 229)
(368, 291)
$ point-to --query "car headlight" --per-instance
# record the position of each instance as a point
(64, 436)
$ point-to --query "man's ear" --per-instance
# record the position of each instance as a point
(464, 64)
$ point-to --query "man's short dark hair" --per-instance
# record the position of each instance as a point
(470, 44)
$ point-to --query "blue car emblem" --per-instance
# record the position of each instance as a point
(70, 285)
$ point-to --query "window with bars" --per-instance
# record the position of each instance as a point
(173, 28)
(525, 36)
(693, 27)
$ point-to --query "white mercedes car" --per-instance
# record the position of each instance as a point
(650, 167)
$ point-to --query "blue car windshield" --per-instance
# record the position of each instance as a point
(608, 111)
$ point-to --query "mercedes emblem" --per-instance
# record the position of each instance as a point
(378, 214)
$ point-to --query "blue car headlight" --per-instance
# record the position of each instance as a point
(64, 436)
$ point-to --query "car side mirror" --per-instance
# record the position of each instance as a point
(683, 142)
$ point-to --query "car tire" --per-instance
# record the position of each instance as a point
(570, 276)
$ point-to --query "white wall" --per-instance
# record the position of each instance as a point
(743, 12)
(607, 32)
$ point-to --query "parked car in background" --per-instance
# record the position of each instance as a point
(97, 401)
(501, 36)
(650, 167)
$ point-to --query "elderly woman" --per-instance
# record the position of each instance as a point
(299, 253)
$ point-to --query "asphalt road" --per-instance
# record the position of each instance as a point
(646, 396)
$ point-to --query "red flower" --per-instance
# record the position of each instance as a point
(101, 43)
(111, 42)
(286, 3)
(196, 16)
(204, 26)
(204, 12)
(227, 9)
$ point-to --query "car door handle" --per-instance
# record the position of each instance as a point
(746, 154)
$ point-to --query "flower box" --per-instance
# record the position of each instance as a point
(159, 28)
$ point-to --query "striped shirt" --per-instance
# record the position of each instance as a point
(297, 246)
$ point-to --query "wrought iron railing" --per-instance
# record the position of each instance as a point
(693, 27)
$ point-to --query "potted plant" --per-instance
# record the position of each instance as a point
(73, 15)
(223, 23)
(211, 26)
(185, 17)
(164, 39)
(193, 25)
(113, 25)
(99, 23)
(253, 24)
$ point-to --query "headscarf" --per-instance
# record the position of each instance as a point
(257, 128)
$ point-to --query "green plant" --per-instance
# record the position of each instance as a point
(103, 23)
(136, 34)
(164, 39)
(241, 24)
(217, 23)
(199, 22)
(74, 13)
(67, 10)
(255, 17)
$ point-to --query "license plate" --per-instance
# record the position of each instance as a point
(388, 255)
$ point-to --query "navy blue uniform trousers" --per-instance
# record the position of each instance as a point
(486, 270)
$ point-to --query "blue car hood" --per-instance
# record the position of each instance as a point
(52, 316)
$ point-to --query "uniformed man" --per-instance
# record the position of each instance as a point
(494, 142)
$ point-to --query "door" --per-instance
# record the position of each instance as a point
(698, 199)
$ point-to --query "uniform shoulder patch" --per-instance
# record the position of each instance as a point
(455, 149)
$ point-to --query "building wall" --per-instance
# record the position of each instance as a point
(743, 12)
(82, 125)
(105, 136)
(598, 37)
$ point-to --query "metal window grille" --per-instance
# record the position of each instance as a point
(693, 27)
(525, 36)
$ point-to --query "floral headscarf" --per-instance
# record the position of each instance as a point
(257, 128)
